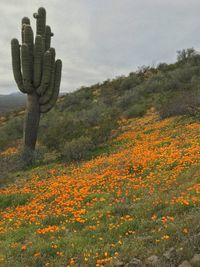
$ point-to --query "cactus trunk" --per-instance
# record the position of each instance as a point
(37, 74)
(31, 125)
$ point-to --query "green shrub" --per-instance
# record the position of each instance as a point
(129, 98)
(76, 149)
(179, 103)
(136, 110)
(10, 132)
(8, 164)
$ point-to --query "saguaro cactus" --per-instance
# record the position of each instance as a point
(36, 73)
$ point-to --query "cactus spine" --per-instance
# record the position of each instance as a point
(36, 73)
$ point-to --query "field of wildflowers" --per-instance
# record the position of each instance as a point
(138, 200)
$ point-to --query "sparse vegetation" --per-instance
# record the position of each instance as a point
(77, 149)
(140, 197)
(94, 111)
(116, 175)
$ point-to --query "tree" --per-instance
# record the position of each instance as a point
(185, 54)
(37, 74)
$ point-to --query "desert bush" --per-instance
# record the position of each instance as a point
(185, 74)
(171, 80)
(76, 149)
(70, 100)
(11, 131)
(91, 117)
(188, 55)
(136, 110)
(70, 125)
(129, 98)
(179, 103)
(77, 100)
(8, 164)
(129, 82)
(101, 133)
(15, 162)
(164, 67)
(61, 127)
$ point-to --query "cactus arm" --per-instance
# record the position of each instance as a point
(38, 55)
(47, 95)
(16, 64)
(28, 37)
(48, 35)
(25, 21)
(41, 23)
(26, 68)
(46, 72)
(58, 70)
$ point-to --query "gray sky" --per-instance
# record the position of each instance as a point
(100, 39)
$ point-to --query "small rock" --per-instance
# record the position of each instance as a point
(185, 264)
(195, 261)
(152, 261)
(134, 263)
(170, 254)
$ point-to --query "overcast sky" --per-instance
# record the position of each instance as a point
(100, 39)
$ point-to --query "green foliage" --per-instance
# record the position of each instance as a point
(188, 55)
(10, 132)
(14, 200)
(180, 103)
(77, 149)
(137, 110)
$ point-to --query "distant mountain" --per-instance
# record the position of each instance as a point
(11, 102)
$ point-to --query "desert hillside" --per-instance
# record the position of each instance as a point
(11, 102)
(139, 198)
(116, 176)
